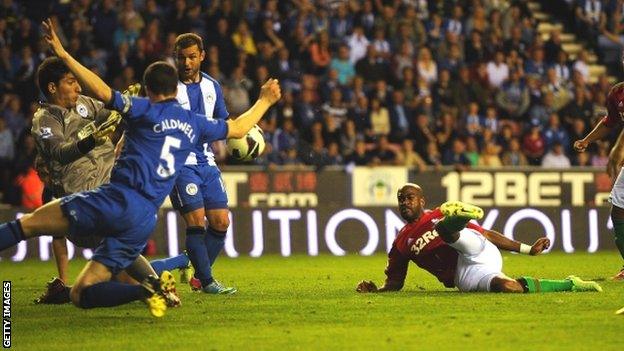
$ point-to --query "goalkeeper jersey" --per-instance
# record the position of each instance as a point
(55, 130)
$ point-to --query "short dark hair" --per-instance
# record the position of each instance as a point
(51, 70)
(161, 78)
(187, 40)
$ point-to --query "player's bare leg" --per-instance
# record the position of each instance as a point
(46, 220)
(94, 288)
(617, 217)
(141, 269)
(505, 285)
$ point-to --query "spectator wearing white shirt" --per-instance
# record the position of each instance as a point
(497, 70)
(581, 66)
(381, 44)
(426, 66)
(555, 158)
(358, 44)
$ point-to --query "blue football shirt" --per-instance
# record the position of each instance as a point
(159, 138)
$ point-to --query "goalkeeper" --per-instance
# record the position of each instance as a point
(74, 136)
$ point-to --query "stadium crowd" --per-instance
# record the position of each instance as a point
(465, 83)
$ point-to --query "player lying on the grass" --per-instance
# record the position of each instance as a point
(159, 137)
(459, 253)
(70, 161)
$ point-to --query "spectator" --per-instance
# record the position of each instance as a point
(348, 138)
(399, 116)
(489, 156)
(456, 156)
(514, 157)
(553, 46)
(472, 150)
(14, 117)
(581, 65)
(408, 157)
(433, 156)
(513, 98)
(533, 145)
(379, 118)
(237, 92)
(497, 70)
(359, 157)
(556, 158)
(540, 113)
(243, 39)
(602, 157)
(320, 54)
(125, 34)
(344, 67)
(426, 66)
(358, 44)
(383, 154)
(371, 67)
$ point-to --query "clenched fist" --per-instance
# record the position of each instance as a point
(271, 91)
(366, 286)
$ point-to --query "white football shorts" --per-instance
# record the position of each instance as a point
(617, 192)
(478, 263)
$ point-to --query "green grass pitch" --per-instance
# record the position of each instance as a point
(305, 302)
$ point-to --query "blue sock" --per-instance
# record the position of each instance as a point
(215, 240)
(109, 294)
(11, 234)
(198, 254)
(170, 263)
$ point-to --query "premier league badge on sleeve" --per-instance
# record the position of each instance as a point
(82, 110)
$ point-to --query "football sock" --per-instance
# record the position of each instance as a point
(108, 294)
(215, 240)
(11, 234)
(198, 254)
(169, 264)
(532, 285)
(618, 231)
(452, 224)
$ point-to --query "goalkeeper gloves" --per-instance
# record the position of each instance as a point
(132, 90)
(101, 133)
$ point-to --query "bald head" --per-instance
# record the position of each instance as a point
(411, 201)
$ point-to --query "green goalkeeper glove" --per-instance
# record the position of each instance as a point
(101, 132)
(132, 90)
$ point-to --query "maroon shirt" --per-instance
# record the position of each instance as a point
(419, 242)
(615, 106)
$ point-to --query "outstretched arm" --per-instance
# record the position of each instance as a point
(504, 243)
(600, 131)
(395, 274)
(91, 81)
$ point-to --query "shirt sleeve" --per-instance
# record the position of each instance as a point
(220, 110)
(396, 270)
(212, 129)
(610, 120)
(51, 140)
(131, 107)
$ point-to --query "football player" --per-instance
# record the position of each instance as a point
(614, 118)
(459, 253)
